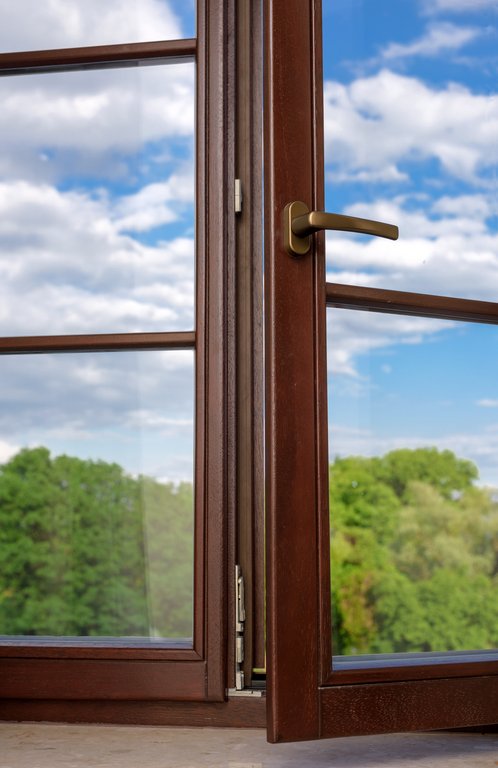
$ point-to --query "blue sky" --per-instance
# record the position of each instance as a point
(101, 166)
(411, 137)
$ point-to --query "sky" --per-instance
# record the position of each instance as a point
(101, 166)
(411, 138)
(97, 236)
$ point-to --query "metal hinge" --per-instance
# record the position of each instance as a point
(240, 617)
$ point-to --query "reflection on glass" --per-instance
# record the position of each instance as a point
(96, 496)
(411, 111)
(413, 445)
(31, 25)
(97, 201)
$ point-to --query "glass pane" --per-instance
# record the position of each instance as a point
(96, 496)
(97, 201)
(411, 111)
(32, 25)
(413, 446)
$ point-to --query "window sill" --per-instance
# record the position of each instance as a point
(57, 746)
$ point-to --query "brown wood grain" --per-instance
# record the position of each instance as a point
(102, 679)
(249, 358)
(97, 57)
(234, 713)
(91, 650)
(403, 673)
(404, 302)
(101, 342)
(292, 465)
(215, 467)
(408, 706)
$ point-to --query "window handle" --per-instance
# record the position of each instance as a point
(300, 223)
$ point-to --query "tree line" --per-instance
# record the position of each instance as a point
(414, 554)
(88, 550)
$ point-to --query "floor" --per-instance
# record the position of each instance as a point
(74, 746)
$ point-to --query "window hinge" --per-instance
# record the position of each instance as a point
(238, 196)
(240, 617)
(256, 691)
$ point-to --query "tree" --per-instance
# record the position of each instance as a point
(414, 554)
(440, 469)
(168, 513)
(86, 550)
(435, 532)
(364, 517)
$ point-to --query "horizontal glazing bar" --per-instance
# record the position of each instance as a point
(104, 342)
(402, 302)
(98, 57)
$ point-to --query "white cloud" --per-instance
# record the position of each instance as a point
(389, 174)
(438, 38)
(435, 6)
(88, 160)
(381, 121)
(97, 124)
(133, 408)
(354, 334)
(447, 249)
(153, 420)
(444, 249)
(154, 204)
(73, 271)
(471, 206)
(69, 23)
(7, 451)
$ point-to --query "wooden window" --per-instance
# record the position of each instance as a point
(311, 693)
(53, 668)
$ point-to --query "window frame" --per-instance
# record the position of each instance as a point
(60, 686)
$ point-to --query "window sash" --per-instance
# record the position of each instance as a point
(33, 672)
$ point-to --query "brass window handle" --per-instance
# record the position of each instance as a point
(300, 223)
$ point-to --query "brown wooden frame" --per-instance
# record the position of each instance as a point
(249, 544)
(68, 672)
(97, 57)
(294, 388)
(244, 712)
(307, 699)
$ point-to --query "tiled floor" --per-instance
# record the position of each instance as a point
(70, 746)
